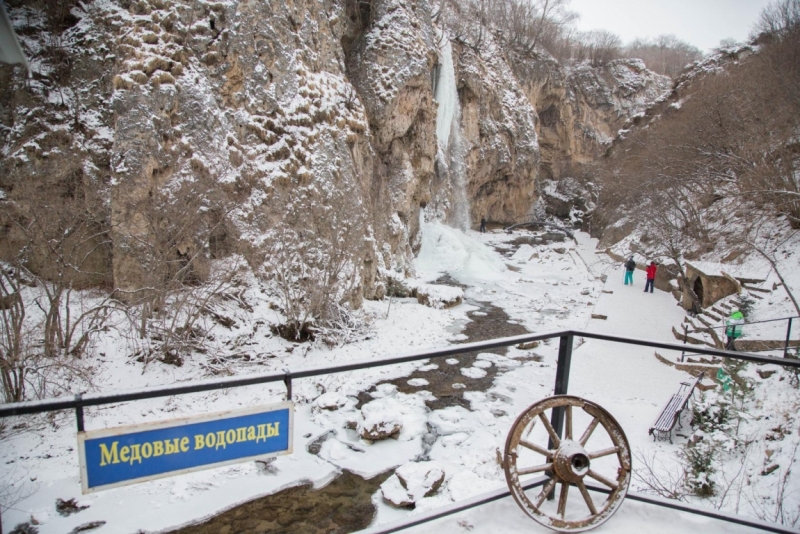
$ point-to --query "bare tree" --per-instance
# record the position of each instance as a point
(762, 242)
(778, 19)
(665, 54)
(733, 136)
(599, 47)
(523, 25)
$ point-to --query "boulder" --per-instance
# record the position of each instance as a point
(439, 296)
(379, 421)
(330, 401)
(412, 482)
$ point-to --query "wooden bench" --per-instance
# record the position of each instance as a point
(671, 414)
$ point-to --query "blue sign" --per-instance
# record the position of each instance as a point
(125, 455)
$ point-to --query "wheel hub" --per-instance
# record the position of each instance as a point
(571, 461)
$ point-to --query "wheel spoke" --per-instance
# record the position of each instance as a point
(604, 452)
(530, 428)
(550, 430)
(535, 448)
(588, 432)
(600, 478)
(569, 421)
(562, 500)
(546, 489)
(587, 497)
(535, 469)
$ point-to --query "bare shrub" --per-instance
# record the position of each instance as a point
(177, 278)
(313, 260)
(775, 510)
(659, 479)
(55, 247)
(28, 369)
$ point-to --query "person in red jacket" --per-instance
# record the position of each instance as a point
(651, 276)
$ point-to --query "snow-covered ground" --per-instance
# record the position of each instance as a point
(542, 287)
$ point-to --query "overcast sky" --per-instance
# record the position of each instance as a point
(703, 23)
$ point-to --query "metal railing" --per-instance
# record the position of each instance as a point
(748, 324)
(560, 387)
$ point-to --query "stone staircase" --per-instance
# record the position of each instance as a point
(706, 328)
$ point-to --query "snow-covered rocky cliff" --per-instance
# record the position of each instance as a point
(191, 131)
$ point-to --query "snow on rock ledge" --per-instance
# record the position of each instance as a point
(412, 482)
(331, 401)
(402, 417)
(439, 296)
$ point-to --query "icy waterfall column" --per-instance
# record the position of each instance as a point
(452, 152)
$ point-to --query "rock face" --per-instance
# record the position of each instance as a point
(389, 64)
(499, 127)
(168, 134)
(582, 108)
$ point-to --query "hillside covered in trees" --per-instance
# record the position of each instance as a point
(713, 171)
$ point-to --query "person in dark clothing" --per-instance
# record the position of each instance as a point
(651, 276)
(630, 266)
(483, 224)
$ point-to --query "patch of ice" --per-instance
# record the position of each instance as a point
(473, 372)
(447, 250)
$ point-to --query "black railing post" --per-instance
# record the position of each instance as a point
(562, 379)
(560, 388)
(685, 338)
(287, 379)
(788, 334)
(79, 412)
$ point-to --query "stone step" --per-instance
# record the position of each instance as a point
(703, 329)
(718, 311)
(690, 339)
(693, 327)
(758, 289)
(708, 319)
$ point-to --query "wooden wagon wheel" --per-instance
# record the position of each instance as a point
(603, 457)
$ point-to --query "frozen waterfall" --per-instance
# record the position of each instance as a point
(452, 153)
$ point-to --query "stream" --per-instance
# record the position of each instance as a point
(345, 504)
